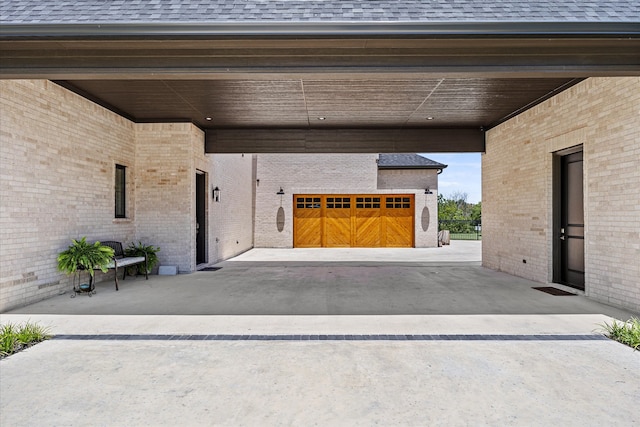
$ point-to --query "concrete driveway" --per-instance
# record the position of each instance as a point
(286, 340)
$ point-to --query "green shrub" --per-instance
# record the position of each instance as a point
(141, 249)
(14, 338)
(627, 333)
(81, 255)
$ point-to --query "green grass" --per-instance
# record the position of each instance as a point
(14, 338)
(627, 333)
(465, 236)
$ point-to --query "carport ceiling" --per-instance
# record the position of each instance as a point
(322, 104)
(322, 86)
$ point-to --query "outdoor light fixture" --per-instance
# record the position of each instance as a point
(427, 191)
(216, 194)
(281, 192)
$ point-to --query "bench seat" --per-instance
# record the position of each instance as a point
(121, 261)
(127, 261)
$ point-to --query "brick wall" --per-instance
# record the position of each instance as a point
(57, 171)
(330, 174)
(231, 219)
(602, 114)
(58, 157)
(170, 155)
(164, 210)
(408, 178)
(426, 221)
(303, 173)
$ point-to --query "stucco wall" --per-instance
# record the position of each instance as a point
(331, 174)
(602, 114)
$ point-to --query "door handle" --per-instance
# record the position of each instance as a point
(562, 234)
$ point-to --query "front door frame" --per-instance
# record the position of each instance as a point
(557, 234)
(201, 217)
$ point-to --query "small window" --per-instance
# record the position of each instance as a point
(308, 203)
(121, 191)
(365, 202)
(398, 202)
(338, 202)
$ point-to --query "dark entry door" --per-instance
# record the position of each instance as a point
(572, 221)
(201, 218)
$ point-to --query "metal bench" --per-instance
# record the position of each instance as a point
(122, 261)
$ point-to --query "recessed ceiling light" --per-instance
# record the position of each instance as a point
(429, 118)
(322, 118)
(208, 119)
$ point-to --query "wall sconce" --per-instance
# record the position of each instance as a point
(281, 192)
(427, 191)
(216, 194)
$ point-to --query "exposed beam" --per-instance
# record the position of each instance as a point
(343, 140)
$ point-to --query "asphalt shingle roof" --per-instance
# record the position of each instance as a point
(218, 11)
(407, 161)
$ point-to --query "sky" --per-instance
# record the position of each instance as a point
(463, 174)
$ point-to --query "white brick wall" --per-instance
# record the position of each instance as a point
(603, 114)
(164, 187)
(332, 174)
(408, 178)
(230, 219)
(58, 157)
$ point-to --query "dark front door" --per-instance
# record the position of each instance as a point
(201, 218)
(571, 233)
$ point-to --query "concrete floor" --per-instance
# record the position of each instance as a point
(453, 344)
(375, 282)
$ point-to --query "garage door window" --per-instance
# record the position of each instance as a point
(368, 202)
(308, 202)
(398, 203)
(338, 202)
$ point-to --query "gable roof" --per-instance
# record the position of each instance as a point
(220, 11)
(407, 161)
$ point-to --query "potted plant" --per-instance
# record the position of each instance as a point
(141, 249)
(80, 256)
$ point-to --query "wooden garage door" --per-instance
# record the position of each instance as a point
(307, 221)
(353, 220)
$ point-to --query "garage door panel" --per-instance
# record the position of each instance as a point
(398, 221)
(308, 222)
(367, 231)
(398, 232)
(307, 235)
(337, 222)
(337, 232)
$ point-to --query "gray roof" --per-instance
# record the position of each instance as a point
(220, 11)
(407, 161)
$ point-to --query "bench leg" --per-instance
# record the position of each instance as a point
(146, 270)
(116, 275)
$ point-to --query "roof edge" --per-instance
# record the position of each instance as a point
(322, 29)
(441, 166)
